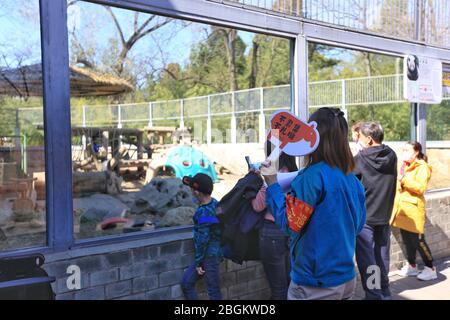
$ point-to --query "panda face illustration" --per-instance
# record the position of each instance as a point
(412, 64)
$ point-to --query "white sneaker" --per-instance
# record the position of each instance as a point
(408, 271)
(427, 274)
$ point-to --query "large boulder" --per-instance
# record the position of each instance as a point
(96, 208)
(180, 216)
(162, 195)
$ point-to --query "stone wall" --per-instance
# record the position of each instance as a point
(152, 268)
(437, 230)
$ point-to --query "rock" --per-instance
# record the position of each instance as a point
(180, 216)
(23, 209)
(2, 235)
(101, 202)
(96, 208)
(161, 195)
(93, 182)
(113, 183)
(34, 223)
(128, 198)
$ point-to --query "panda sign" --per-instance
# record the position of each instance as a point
(422, 79)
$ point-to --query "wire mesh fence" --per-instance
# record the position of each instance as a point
(423, 20)
(240, 110)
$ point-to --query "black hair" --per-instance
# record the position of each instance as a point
(334, 148)
(373, 130)
(418, 148)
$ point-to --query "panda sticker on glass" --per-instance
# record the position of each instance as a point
(412, 67)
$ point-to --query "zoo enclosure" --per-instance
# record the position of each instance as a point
(258, 103)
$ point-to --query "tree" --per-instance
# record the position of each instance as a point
(216, 64)
(116, 57)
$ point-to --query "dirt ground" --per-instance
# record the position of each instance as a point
(439, 159)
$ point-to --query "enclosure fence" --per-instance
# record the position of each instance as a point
(233, 111)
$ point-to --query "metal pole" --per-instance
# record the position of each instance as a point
(181, 114)
(119, 123)
(262, 118)
(24, 154)
(17, 130)
(418, 19)
(422, 125)
(299, 79)
(119, 117)
(208, 123)
(233, 119)
(84, 116)
(58, 152)
(343, 100)
(419, 114)
(414, 121)
(300, 71)
(150, 114)
(83, 124)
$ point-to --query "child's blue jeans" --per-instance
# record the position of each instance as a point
(212, 279)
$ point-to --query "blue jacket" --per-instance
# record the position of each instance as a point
(206, 233)
(322, 251)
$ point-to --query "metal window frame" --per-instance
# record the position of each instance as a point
(55, 65)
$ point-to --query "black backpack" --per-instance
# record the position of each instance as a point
(22, 278)
(239, 222)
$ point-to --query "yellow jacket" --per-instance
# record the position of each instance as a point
(409, 206)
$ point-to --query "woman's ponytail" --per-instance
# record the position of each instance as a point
(418, 148)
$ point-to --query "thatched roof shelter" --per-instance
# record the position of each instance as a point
(27, 81)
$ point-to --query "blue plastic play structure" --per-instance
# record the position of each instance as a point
(187, 161)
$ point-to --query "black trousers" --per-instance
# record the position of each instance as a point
(413, 242)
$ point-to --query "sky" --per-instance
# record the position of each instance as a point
(19, 33)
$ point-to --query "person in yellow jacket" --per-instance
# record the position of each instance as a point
(409, 210)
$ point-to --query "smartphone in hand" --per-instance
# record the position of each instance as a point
(252, 166)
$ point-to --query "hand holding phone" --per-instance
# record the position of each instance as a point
(252, 166)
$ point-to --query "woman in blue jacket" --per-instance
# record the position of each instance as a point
(323, 214)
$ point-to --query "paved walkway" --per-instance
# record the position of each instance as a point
(411, 288)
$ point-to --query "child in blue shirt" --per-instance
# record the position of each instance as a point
(323, 214)
(208, 252)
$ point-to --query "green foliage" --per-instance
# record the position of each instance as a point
(438, 121)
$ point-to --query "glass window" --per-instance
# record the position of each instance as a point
(154, 99)
(438, 138)
(366, 86)
(22, 161)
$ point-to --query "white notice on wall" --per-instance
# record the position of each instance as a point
(422, 79)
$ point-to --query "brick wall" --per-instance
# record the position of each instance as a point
(152, 268)
(150, 272)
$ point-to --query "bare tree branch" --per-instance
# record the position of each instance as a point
(116, 22)
(136, 18)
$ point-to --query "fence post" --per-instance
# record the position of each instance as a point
(343, 100)
(119, 123)
(83, 116)
(17, 129)
(119, 117)
(233, 118)
(262, 118)
(208, 123)
(150, 114)
(181, 114)
(83, 124)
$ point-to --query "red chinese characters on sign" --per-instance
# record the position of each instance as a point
(298, 213)
(289, 130)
